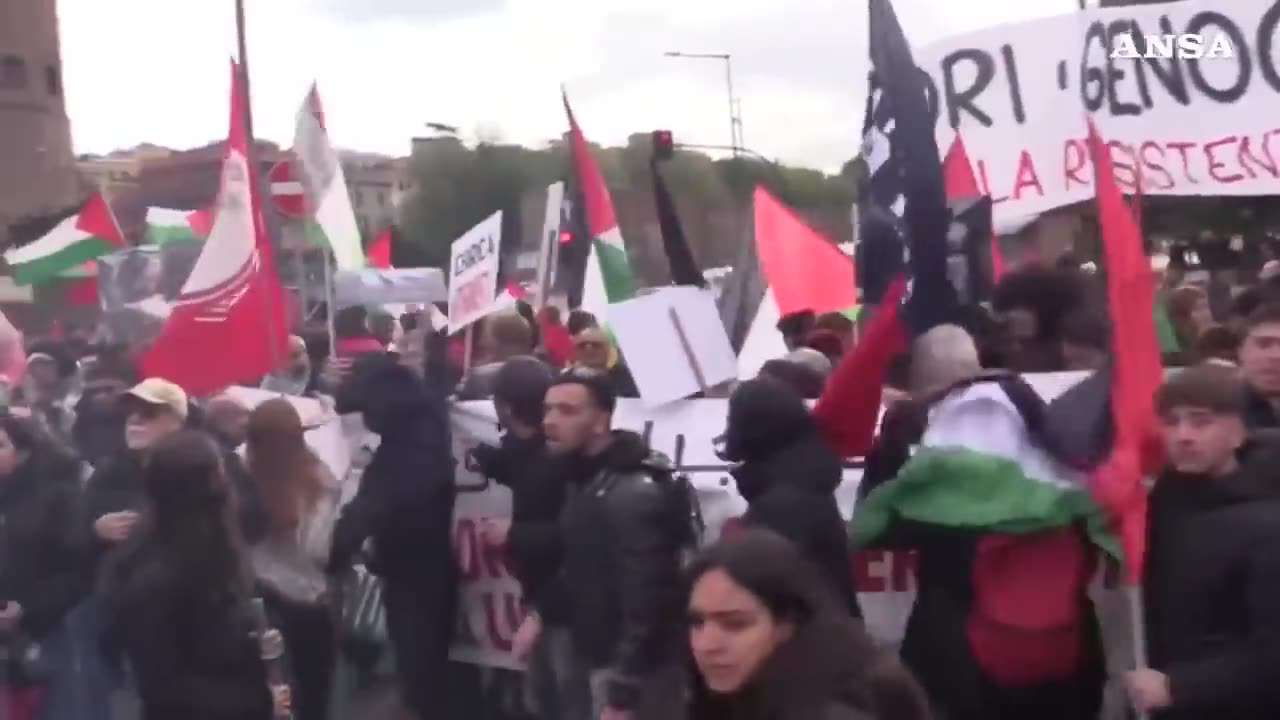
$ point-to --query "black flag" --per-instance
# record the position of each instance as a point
(906, 169)
(684, 269)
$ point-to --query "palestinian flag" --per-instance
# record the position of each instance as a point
(977, 468)
(333, 220)
(86, 235)
(165, 226)
(608, 274)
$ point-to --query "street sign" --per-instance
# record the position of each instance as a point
(286, 190)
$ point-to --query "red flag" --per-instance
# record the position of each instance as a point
(957, 175)
(379, 251)
(227, 325)
(1136, 368)
(804, 270)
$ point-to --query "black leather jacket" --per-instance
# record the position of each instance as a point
(621, 567)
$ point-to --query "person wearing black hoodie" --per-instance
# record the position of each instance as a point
(789, 476)
(1212, 572)
(405, 506)
(624, 530)
(532, 537)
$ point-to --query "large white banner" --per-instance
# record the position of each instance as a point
(1019, 95)
(489, 601)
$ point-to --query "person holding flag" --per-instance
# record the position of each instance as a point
(1212, 574)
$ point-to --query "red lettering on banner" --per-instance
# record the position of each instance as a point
(1215, 165)
(502, 618)
(1246, 154)
(986, 183)
(1125, 163)
(472, 296)
(1026, 177)
(1164, 180)
(1226, 160)
(1075, 165)
(1181, 148)
(877, 571)
(477, 559)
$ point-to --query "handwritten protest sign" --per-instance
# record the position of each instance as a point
(473, 272)
(1019, 94)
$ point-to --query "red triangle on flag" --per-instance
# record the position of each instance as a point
(378, 253)
(97, 219)
(960, 182)
(804, 270)
(201, 221)
(595, 194)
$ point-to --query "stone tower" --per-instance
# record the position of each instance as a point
(37, 169)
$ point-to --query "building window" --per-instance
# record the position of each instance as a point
(13, 73)
(53, 81)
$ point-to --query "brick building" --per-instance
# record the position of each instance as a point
(38, 173)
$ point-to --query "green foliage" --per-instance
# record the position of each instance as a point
(457, 186)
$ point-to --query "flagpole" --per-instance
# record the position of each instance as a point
(255, 172)
(242, 48)
(328, 303)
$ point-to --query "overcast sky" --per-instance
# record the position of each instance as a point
(156, 70)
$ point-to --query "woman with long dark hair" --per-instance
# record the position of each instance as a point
(771, 641)
(40, 574)
(180, 601)
(299, 500)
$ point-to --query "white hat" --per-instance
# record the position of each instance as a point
(158, 391)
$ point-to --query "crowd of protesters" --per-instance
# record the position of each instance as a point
(196, 557)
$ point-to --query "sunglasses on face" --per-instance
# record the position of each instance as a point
(590, 345)
(145, 411)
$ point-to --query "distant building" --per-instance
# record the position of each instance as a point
(37, 168)
(378, 185)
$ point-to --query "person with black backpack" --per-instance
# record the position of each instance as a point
(625, 528)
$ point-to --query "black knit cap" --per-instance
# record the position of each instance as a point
(522, 383)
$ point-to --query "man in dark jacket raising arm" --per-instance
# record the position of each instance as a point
(624, 529)
(1212, 576)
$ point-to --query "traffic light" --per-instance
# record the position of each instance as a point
(664, 146)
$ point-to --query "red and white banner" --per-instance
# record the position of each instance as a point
(473, 272)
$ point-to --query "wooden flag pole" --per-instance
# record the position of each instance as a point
(468, 347)
(687, 347)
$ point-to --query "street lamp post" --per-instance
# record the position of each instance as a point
(735, 116)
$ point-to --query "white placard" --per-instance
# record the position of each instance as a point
(654, 351)
(1019, 94)
(549, 243)
(473, 272)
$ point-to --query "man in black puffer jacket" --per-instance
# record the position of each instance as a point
(532, 537)
(624, 530)
(788, 476)
(405, 505)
